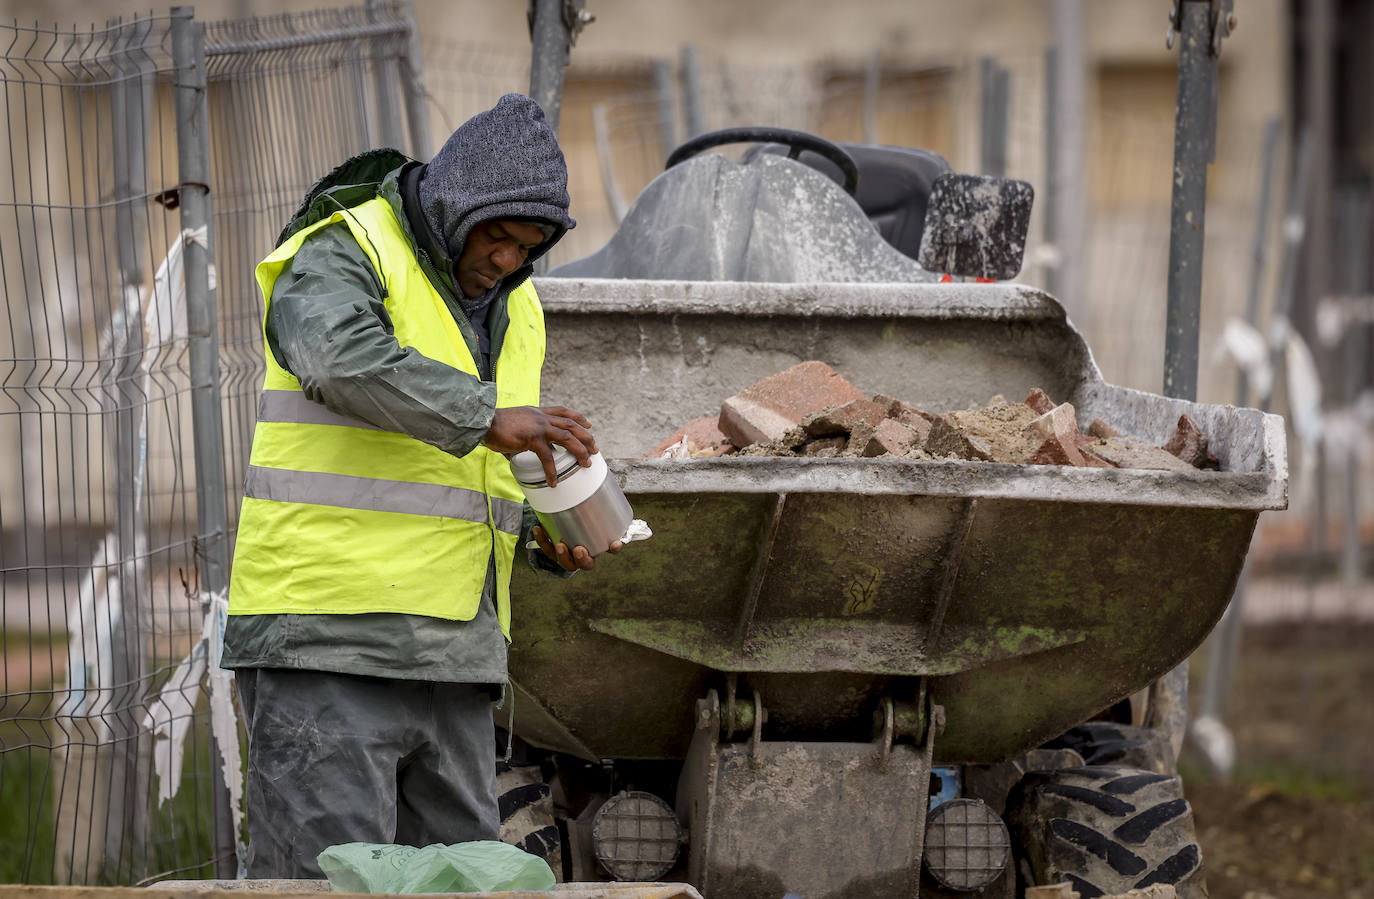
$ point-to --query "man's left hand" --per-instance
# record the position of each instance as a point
(575, 559)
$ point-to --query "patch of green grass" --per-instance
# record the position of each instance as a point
(180, 832)
(26, 817)
(1301, 781)
(1286, 778)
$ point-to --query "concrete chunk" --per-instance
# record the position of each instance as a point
(1132, 452)
(948, 439)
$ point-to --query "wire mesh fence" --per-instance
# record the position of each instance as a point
(107, 766)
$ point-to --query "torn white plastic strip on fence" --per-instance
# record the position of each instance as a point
(1246, 345)
(201, 237)
(171, 712)
(223, 723)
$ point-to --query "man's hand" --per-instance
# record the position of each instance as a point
(577, 558)
(537, 428)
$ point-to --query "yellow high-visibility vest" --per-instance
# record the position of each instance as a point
(339, 517)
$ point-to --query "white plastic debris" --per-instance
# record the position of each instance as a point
(170, 713)
(678, 450)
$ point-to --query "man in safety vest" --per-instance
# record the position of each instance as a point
(369, 602)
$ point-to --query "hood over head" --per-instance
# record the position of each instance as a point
(504, 163)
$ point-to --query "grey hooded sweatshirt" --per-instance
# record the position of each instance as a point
(328, 326)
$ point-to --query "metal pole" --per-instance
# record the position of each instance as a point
(872, 78)
(1259, 247)
(131, 95)
(1070, 159)
(1317, 26)
(994, 85)
(691, 91)
(1195, 125)
(1225, 642)
(603, 154)
(193, 162)
(666, 92)
(1355, 224)
(551, 39)
(1294, 232)
(384, 78)
(1221, 672)
(413, 84)
(1051, 204)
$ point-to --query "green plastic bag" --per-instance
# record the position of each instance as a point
(485, 866)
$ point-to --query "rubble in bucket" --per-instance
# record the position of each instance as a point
(810, 410)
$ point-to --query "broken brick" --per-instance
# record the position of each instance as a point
(1057, 451)
(703, 439)
(765, 410)
(843, 419)
(1190, 445)
(1038, 400)
(892, 437)
(1060, 421)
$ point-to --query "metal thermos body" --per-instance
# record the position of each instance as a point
(586, 508)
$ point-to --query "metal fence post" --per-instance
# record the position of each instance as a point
(131, 104)
(384, 78)
(1201, 26)
(412, 83)
(1224, 645)
(1070, 182)
(1051, 192)
(691, 91)
(994, 90)
(1354, 213)
(873, 75)
(666, 93)
(193, 161)
(554, 26)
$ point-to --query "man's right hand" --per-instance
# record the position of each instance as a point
(537, 428)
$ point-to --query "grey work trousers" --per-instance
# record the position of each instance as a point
(338, 758)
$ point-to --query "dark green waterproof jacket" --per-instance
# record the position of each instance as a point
(328, 326)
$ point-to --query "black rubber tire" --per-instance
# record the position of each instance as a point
(1106, 830)
(1108, 743)
(527, 818)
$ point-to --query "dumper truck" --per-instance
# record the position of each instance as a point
(840, 677)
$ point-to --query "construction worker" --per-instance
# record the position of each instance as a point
(369, 603)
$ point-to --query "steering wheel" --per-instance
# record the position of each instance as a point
(796, 141)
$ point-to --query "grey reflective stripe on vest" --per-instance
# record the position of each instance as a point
(379, 495)
(294, 406)
(507, 514)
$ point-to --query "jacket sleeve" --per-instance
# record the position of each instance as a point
(327, 325)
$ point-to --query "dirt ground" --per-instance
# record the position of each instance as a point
(1297, 819)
